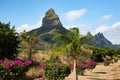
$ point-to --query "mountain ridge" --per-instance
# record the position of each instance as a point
(99, 40)
(51, 25)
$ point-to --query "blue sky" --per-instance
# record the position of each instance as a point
(88, 15)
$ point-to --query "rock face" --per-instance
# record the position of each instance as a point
(89, 34)
(51, 19)
(50, 22)
(51, 25)
(103, 42)
(98, 40)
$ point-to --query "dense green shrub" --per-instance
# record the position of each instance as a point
(106, 63)
(8, 41)
(56, 71)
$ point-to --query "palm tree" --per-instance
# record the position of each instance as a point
(72, 44)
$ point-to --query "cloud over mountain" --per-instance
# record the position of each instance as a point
(75, 14)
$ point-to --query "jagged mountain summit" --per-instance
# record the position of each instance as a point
(51, 19)
(51, 25)
(89, 34)
(98, 40)
(50, 22)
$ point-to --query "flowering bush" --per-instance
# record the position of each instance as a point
(80, 67)
(90, 65)
(56, 71)
(13, 69)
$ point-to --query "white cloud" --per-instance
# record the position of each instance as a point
(105, 19)
(115, 26)
(83, 28)
(74, 14)
(27, 27)
(111, 32)
(101, 29)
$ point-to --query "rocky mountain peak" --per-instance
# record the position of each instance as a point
(51, 19)
(89, 34)
(99, 36)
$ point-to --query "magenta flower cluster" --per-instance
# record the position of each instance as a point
(78, 66)
(7, 64)
(1, 61)
(90, 65)
(41, 72)
(42, 65)
(40, 79)
(83, 66)
(13, 69)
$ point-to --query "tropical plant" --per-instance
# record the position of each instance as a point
(71, 44)
(9, 41)
(30, 42)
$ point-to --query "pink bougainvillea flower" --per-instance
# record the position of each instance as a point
(40, 79)
(41, 72)
(42, 65)
(18, 62)
(7, 66)
(1, 61)
(28, 62)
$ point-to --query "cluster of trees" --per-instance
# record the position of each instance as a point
(100, 53)
(10, 42)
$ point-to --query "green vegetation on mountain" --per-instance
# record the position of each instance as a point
(99, 40)
(50, 14)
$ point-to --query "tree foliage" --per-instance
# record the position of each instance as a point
(8, 41)
(100, 53)
(71, 42)
(30, 42)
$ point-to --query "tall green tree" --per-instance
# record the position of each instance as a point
(9, 41)
(71, 44)
(30, 43)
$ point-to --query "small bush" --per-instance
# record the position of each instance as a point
(56, 72)
(115, 59)
(90, 65)
(106, 63)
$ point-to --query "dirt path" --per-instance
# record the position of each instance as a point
(101, 72)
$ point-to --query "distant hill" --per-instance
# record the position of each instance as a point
(99, 40)
(51, 25)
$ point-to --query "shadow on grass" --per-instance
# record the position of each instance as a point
(100, 72)
(97, 79)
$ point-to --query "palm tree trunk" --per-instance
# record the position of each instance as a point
(75, 77)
